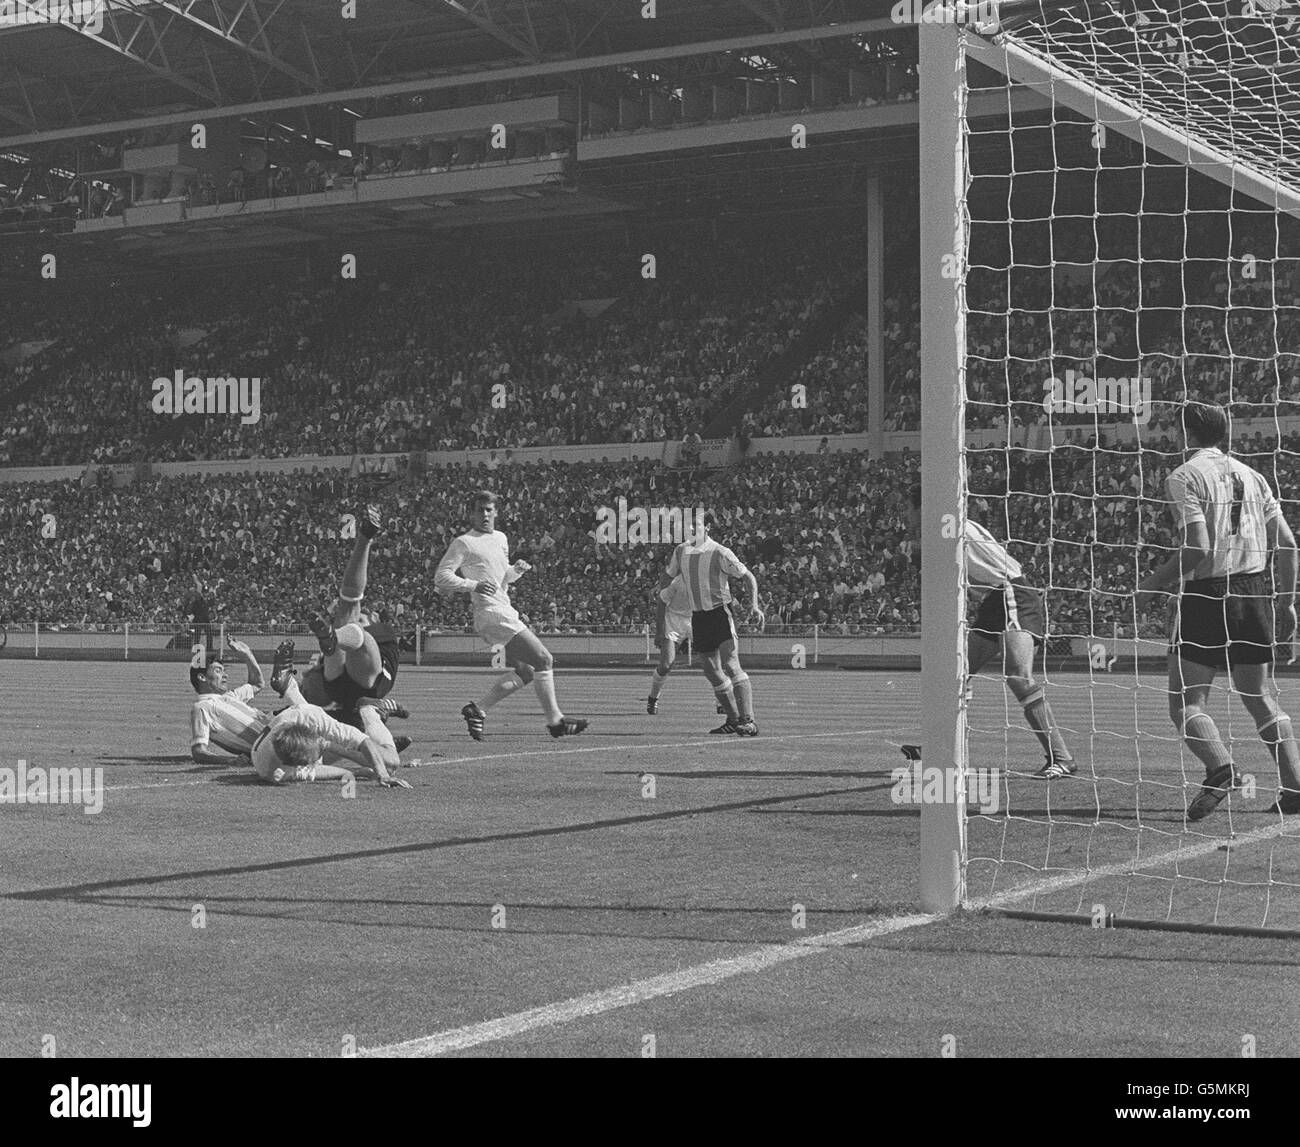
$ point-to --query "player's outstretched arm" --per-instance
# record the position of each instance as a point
(203, 755)
(249, 658)
(755, 608)
(1282, 541)
(446, 578)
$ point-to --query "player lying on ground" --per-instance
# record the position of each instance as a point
(1224, 615)
(1011, 620)
(296, 742)
(478, 563)
(704, 567)
(358, 658)
(672, 628)
(225, 717)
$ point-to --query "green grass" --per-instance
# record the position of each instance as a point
(372, 918)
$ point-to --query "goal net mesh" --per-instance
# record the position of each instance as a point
(1131, 244)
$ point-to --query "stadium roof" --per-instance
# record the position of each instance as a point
(179, 58)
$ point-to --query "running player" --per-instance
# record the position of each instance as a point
(483, 556)
(1010, 620)
(704, 567)
(1224, 615)
(672, 628)
(358, 658)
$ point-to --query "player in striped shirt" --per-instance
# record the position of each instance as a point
(1011, 620)
(221, 715)
(672, 628)
(1224, 615)
(705, 567)
(478, 563)
(225, 717)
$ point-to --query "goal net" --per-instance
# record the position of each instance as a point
(1123, 186)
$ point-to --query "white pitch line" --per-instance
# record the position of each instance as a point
(1123, 868)
(158, 785)
(637, 992)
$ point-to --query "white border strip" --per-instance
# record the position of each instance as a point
(639, 991)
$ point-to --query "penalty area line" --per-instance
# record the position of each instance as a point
(639, 991)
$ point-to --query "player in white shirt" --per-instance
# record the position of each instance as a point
(672, 627)
(226, 718)
(1011, 620)
(296, 741)
(478, 563)
(1225, 616)
(705, 567)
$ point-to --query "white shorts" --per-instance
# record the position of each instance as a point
(498, 624)
(677, 627)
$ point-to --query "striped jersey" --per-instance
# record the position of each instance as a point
(704, 569)
(987, 560)
(1236, 505)
(226, 720)
(472, 558)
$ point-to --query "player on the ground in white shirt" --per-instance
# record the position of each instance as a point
(1225, 615)
(295, 743)
(225, 717)
(672, 627)
(705, 568)
(221, 715)
(478, 563)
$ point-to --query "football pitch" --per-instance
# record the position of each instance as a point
(642, 889)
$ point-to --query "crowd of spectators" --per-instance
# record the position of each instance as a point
(469, 352)
(826, 535)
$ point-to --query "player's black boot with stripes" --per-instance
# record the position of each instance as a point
(369, 522)
(569, 727)
(475, 719)
(282, 670)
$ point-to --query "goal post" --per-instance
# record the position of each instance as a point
(1126, 222)
(943, 357)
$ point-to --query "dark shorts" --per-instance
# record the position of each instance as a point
(711, 628)
(1218, 628)
(1016, 606)
(345, 692)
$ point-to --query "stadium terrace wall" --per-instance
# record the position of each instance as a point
(172, 643)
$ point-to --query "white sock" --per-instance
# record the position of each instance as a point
(350, 637)
(501, 689)
(544, 683)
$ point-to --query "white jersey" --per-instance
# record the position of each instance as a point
(227, 720)
(676, 597)
(704, 570)
(473, 558)
(987, 560)
(1236, 505)
(333, 734)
